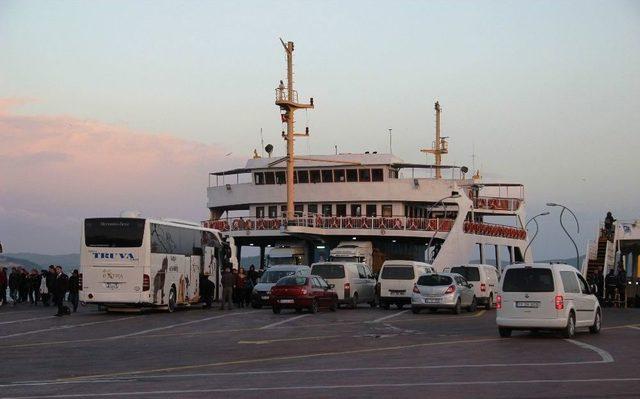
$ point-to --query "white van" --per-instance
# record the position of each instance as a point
(353, 282)
(545, 296)
(485, 280)
(396, 281)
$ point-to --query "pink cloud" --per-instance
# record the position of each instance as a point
(65, 168)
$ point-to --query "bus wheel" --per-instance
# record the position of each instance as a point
(172, 300)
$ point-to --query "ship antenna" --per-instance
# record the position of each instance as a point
(262, 142)
(287, 100)
(440, 145)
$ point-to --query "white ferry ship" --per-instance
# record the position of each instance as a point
(376, 202)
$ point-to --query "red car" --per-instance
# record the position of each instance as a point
(300, 292)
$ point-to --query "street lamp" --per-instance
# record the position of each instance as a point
(564, 208)
(533, 219)
(438, 224)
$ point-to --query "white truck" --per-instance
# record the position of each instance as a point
(288, 254)
(359, 252)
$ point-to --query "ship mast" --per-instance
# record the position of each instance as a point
(287, 100)
(440, 145)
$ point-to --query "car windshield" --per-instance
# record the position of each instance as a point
(528, 279)
(328, 271)
(471, 273)
(271, 276)
(434, 280)
(292, 280)
(397, 273)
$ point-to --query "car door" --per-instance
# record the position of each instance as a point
(363, 284)
(587, 303)
(319, 292)
(572, 293)
(462, 286)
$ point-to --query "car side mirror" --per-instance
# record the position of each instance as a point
(470, 285)
(331, 286)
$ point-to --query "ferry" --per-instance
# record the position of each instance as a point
(366, 206)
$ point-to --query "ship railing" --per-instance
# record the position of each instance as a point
(333, 222)
(494, 230)
(497, 203)
(282, 94)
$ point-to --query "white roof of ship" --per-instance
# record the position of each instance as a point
(309, 161)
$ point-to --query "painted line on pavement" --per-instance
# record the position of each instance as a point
(270, 341)
(343, 386)
(25, 320)
(634, 327)
(283, 321)
(388, 317)
(63, 327)
(186, 323)
(606, 356)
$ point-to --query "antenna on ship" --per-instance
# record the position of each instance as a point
(440, 145)
(287, 100)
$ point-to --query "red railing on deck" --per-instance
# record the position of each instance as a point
(494, 230)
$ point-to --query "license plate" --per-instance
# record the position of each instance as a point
(111, 286)
(265, 297)
(527, 304)
(432, 300)
(396, 292)
(285, 301)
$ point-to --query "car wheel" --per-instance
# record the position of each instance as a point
(415, 309)
(334, 305)
(354, 301)
(458, 308)
(489, 304)
(504, 332)
(276, 309)
(474, 305)
(570, 330)
(597, 323)
(314, 306)
(171, 305)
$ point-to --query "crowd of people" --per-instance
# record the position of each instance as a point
(609, 289)
(237, 286)
(46, 287)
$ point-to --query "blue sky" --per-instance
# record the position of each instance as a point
(546, 91)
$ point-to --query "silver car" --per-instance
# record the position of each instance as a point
(443, 291)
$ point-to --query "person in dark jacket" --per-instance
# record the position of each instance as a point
(60, 286)
(610, 283)
(51, 278)
(228, 281)
(4, 282)
(34, 287)
(621, 284)
(74, 289)
(599, 281)
(23, 285)
(206, 291)
(13, 285)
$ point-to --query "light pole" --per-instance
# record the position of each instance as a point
(564, 208)
(533, 219)
(390, 148)
(437, 224)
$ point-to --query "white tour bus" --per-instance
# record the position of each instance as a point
(136, 262)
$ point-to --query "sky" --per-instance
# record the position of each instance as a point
(113, 105)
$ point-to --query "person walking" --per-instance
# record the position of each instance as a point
(23, 285)
(14, 282)
(241, 278)
(33, 283)
(621, 284)
(51, 279)
(4, 282)
(228, 281)
(253, 275)
(60, 286)
(74, 288)
(44, 291)
(611, 283)
(248, 287)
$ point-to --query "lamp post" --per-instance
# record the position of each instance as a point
(438, 225)
(533, 219)
(564, 208)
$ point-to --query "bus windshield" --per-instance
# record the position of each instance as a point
(113, 232)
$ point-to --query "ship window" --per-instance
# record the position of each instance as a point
(327, 176)
(341, 210)
(269, 178)
(326, 209)
(280, 178)
(283, 210)
(298, 209)
(356, 210)
(314, 176)
(352, 175)
(338, 175)
(371, 210)
(295, 178)
(260, 211)
(387, 211)
(393, 173)
(303, 176)
(377, 175)
(258, 178)
(364, 174)
(273, 211)
(312, 209)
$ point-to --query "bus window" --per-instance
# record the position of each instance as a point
(113, 232)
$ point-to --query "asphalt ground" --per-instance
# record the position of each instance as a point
(247, 353)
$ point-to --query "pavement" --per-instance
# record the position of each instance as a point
(361, 353)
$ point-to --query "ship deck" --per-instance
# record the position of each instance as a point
(350, 353)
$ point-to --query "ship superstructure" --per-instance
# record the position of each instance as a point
(319, 201)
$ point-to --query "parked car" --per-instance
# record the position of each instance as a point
(354, 282)
(397, 279)
(260, 293)
(303, 292)
(443, 291)
(546, 296)
(485, 280)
